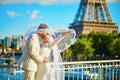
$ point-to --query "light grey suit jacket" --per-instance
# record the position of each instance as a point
(33, 57)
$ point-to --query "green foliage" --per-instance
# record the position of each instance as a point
(101, 42)
(67, 53)
(3, 46)
(95, 43)
(114, 47)
(83, 47)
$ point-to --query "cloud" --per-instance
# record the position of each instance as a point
(31, 26)
(43, 2)
(47, 2)
(34, 14)
(113, 1)
(13, 14)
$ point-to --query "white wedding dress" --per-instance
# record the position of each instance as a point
(44, 69)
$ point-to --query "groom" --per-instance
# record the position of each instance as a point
(33, 58)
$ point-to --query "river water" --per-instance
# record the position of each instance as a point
(10, 73)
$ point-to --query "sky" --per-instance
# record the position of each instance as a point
(19, 16)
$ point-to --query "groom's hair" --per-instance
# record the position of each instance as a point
(43, 26)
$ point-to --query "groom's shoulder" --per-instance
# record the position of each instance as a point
(32, 36)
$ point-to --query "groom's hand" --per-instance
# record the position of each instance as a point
(45, 59)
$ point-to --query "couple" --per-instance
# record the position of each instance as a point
(40, 49)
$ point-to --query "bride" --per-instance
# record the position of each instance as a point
(52, 70)
(59, 41)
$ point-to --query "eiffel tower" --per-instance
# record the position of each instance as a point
(93, 15)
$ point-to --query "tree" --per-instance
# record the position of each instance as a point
(114, 48)
(66, 54)
(3, 46)
(83, 48)
(102, 42)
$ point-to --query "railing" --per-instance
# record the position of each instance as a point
(11, 72)
(93, 70)
(82, 70)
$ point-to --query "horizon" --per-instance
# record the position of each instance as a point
(17, 17)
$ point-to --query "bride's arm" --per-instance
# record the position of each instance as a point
(59, 38)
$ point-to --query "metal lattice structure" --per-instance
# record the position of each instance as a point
(93, 15)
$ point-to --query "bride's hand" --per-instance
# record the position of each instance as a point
(45, 60)
(69, 31)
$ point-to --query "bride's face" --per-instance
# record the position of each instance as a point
(46, 38)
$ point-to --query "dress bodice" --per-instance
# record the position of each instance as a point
(45, 52)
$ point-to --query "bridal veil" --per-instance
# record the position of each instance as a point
(57, 68)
